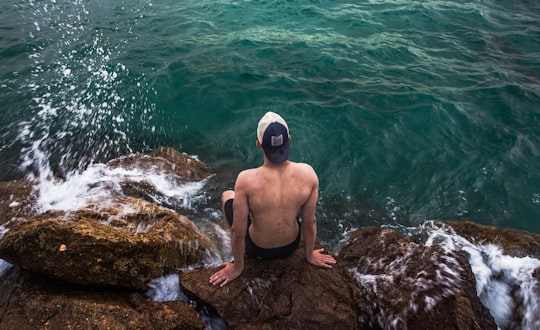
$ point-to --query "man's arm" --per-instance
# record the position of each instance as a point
(238, 235)
(239, 227)
(309, 225)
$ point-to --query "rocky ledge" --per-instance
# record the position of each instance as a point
(90, 268)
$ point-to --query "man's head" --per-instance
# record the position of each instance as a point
(273, 135)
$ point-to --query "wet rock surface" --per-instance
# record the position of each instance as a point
(32, 301)
(165, 160)
(280, 294)
(125, 242)
(410, 286)
(515, 242)
(16, 200)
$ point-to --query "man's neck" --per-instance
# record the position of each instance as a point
(269, 164)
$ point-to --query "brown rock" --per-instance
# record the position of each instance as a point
(518, 293)
(125, 242)
(16, 200)
(280, 294)
(409, 286)
(165, 160)
(31, 301)
(515, 242)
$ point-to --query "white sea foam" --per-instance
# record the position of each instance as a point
(426, 290)
(166, 288)
(504, 283)
(224, 246)
(4, 265)
(99, 182)
(3, 230)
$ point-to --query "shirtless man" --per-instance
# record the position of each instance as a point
(266, 203)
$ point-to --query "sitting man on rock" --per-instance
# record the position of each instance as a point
(264, 206)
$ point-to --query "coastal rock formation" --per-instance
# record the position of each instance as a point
(409, 286)
(16, 200)
(280, 294)
(165, 160)
(86, 268)
(31, 301)
(507, 263)
(514, 242)
(124, 242)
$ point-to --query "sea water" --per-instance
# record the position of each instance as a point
(407, 110)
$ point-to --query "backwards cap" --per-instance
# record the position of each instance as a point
(273, 135)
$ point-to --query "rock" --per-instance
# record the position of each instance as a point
(405, 285)
(31, 301)
(177, 167)
(125, 243)
(165, 160)
(507, 267)
(16, 200)
(515, 242)
(280, 294)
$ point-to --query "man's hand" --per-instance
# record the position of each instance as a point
(225, 275)
(319, 259)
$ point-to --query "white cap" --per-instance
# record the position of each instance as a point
(273, 135)
(269, 118)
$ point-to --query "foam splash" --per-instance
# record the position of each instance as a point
(86, 104)
(166, 288)
(426, 290)
(504, 283)
(4, 265)
(100, 182)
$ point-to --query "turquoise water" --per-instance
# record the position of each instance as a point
(407, 110)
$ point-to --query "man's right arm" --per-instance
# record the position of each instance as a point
(309, 226)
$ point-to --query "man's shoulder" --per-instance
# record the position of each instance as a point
(304, 167)
(246, 174)
(306, 172)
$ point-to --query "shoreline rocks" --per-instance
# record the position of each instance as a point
(16, 200)
(88, 268)
(280, 294)
(125, 242)
(406, 285)
(32, 301)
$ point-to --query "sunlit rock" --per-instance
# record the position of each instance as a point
(405, 285)
(280, 294)
(31, 301)
(124, 242)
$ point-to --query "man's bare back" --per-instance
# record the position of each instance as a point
(276, 195)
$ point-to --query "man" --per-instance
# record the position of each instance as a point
(266, 202)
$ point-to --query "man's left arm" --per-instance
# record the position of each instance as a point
(232, 270)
